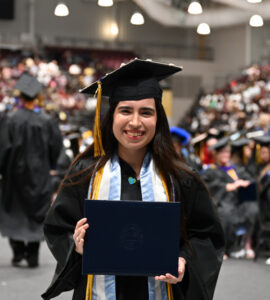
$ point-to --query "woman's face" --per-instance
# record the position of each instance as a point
(134, 123)
(265, 154)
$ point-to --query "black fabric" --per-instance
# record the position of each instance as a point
(203, 229)
(129, 191)
(30, 145)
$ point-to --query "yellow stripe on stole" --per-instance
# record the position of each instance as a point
(93, 195)
(232, 174)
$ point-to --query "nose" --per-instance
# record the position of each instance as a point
(135, 120)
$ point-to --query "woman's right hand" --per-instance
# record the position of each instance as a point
(79, 234)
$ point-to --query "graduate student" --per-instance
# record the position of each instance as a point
(134, 141)
(30, 145)
(224, 179)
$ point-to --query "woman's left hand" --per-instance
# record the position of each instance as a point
(172, 279)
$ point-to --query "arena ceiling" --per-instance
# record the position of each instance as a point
(217, 13)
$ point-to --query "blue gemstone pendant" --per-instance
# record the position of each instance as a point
(131, 180)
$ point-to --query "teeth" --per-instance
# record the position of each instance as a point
(135, 133)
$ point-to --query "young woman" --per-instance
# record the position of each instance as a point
(135, 144)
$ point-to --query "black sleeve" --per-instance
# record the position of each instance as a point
(216, 185)
(59, 227)
(5, 143)
(205, 247)
(55, 142)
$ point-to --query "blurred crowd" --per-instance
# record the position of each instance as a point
(229, 145)
(242, 105)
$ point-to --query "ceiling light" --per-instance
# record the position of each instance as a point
(203, 28)
(114, 29)
(75, 69)
(256, 21)
(105, 3)
(61, 10)
(254, 1)
(137, 19)
(195, 8)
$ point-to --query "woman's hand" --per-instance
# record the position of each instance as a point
(230, 187)
(172, 279)
(79, 234)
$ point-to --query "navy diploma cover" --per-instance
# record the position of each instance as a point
(131, 238)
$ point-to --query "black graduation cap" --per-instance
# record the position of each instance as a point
(239, 143)
(28, 86)
(221, 143)
(262, 140)
(135, 80)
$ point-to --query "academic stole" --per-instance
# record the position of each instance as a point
(109, 177)
(231, 172)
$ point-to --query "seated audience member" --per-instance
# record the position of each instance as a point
(264, 192)
(260, 156)
(223, 180)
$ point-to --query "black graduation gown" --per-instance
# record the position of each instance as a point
(203, 228)
(232, 212)
(265, 199)
(30, 145)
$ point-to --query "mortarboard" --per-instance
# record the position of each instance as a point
(28, 86)
(181, 134)
(239, 143)
(221, 143)
(136, 80)
(262, 140)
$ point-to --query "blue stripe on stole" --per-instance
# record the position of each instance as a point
(94, 289)
(115, 182)
(163, 287)
(110, 289)
(151, 288)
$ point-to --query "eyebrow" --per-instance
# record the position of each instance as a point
(142, 108)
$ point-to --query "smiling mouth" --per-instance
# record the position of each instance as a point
(134, 134)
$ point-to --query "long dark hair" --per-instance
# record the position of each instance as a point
(165, 157)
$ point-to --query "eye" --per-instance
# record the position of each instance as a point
(147, 112)
(124, 111)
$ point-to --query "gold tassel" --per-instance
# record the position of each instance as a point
(98, 148)
(257, 157)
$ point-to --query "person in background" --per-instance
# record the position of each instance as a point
(223, 180)
(208, 155)
(264, 185)
(260, 155)
(30, 145)
(240, 152)
(181, 139)
(133, 158)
